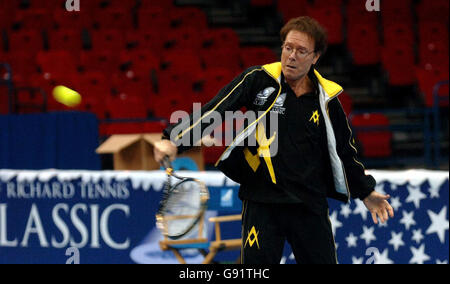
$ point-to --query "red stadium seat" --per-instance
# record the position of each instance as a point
(181, 61)
(222, 38)
(374, 143)
(4, 77)
(255, 56)
(145, 40)
(292, 9)
(182, 80)
(186, 38)
(134, 86)
(28, 100)
(433, 11)
(212, 154)
(114, 19)
(74, 20)
(214, 80)
(427, 79)
(138, 61)
(155, 4)
(153, 19)
(398, 32)
(398, 60)
(26, 40)
(111, 40)
(56, 64)
(392, 5)
(5, 19)
(397, 12)
(126, 105)
(363, 43)
(100, 61)
(69, 40)
(23, 65)
(94, 105)
(171, 103)
(433, 32)
(95, 84)
(37, 80)
(434, 53)
(222, 58)
(38, 19)
(346, 102)
(102, 5)
(188, 17)
(358, 14)
(330, 17)
(133, 127)
(8, 5)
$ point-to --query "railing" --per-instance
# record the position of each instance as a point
(437, 120)
(430, 126)
(31, 90)
(423, 126)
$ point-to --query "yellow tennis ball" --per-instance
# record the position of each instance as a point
(66, 96)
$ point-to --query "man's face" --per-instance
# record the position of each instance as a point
(297, 56)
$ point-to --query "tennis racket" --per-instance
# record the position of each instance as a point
(182, 205)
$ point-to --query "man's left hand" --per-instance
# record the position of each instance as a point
(379, 207)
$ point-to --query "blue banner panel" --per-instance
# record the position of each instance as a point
(62, 217)
(60, 140)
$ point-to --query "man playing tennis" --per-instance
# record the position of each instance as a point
(284, 194)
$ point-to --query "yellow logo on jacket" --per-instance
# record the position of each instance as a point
(252, 238)
(315, 116)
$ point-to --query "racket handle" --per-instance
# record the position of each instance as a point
(166, 163)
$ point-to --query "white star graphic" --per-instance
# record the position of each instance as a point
(335, 224)
(368, 235)
(395, 203)
(439, 223)
(382, 225)
(417, 236)
(434, 192)
(396, 240)
(351, 240)
(383, 258)
(419, 256)
(415, 195)
(356, 260)
(361, 209)
(345, 210)
(408, 219)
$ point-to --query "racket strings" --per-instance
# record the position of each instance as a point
(185, 203)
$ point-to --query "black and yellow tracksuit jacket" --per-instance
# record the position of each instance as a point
(260, 89)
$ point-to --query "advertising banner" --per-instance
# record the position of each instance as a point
(85, 217)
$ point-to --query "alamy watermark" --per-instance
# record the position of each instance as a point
(373, 5)
(230, 128)
(73, 6)
(74, 255)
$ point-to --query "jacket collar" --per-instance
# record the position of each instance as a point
(331, 88)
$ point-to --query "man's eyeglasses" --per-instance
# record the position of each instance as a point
(299, 52)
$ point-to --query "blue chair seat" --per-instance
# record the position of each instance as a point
(191, 246)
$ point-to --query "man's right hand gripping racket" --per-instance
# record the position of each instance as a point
(182, 205)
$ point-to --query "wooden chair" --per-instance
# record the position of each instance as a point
(224, 200)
